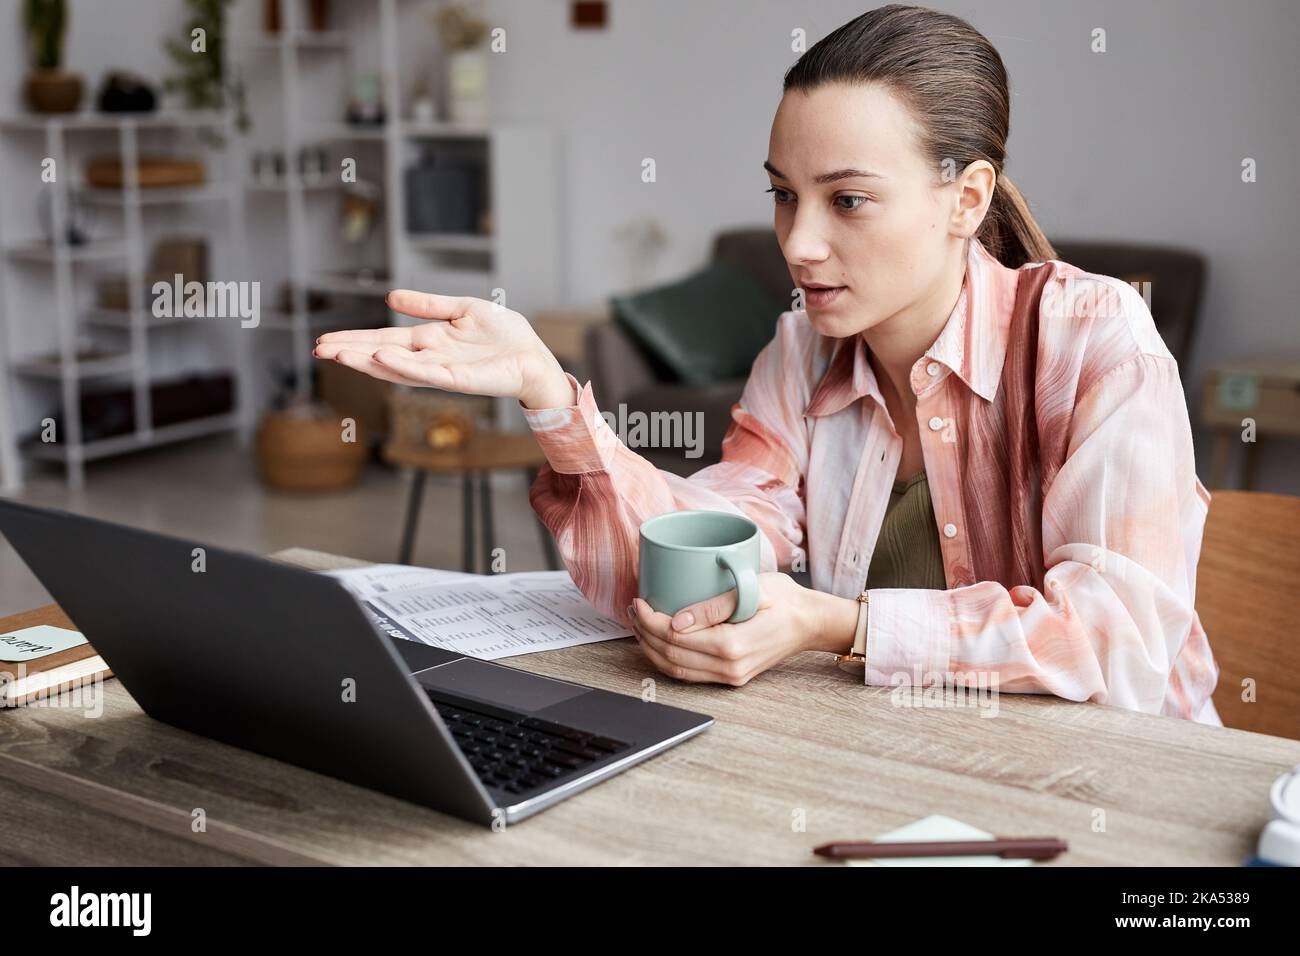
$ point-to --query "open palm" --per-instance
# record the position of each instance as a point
(466, 345)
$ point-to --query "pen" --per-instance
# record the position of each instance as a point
(1031, 848)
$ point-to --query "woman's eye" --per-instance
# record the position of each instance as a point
(784, 197)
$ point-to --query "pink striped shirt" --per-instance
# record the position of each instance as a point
(1058, 450)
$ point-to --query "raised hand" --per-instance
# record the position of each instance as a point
(467, 345)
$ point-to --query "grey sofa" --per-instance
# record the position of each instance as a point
(622, 374)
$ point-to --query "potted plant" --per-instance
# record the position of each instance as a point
(203, 80)
(49, 89)
(462, 36)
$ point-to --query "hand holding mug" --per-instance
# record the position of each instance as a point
(700, 645)
(707, 614)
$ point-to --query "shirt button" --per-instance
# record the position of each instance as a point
(950, 530)
(932, 369)
(936, 423)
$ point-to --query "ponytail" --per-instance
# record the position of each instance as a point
(1009, 231)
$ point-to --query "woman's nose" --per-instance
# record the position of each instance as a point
(805, 241)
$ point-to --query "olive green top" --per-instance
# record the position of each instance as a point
(907, 551)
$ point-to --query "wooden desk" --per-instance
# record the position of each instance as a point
(801, 740)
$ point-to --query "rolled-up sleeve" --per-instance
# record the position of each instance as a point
(594, 493)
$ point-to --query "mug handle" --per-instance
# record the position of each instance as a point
(746, 589)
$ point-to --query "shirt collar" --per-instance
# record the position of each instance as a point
(972, 343)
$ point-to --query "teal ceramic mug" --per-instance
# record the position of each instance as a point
(690, 556)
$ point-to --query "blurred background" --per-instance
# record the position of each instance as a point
(596, 166)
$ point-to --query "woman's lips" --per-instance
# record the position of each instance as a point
(820, 298)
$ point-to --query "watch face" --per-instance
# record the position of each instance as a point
(852, 664)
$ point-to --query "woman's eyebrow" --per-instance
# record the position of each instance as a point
(827, 177)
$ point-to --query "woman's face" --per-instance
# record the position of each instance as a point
(880, 228)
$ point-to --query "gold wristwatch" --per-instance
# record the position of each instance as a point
(855, 661)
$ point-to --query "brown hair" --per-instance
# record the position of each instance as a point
(953, 81)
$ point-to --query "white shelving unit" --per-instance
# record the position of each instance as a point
(62, 260)
(520, 256)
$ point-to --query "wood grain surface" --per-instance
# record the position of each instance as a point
(800, 756)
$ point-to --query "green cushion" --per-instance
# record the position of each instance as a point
(707, 327)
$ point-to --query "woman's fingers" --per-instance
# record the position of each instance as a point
(364, 362)
(653, 649)
(718, 642)
(715, 610)
(422, 370)
(646, 617)
(327, 350)
(699, 666)
(708, 652)
(449, 369)
(430, 305)
(396, 335)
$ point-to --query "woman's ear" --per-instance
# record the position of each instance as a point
(975, 188)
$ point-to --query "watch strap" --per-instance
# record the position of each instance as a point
(860, 633)
(856, 658)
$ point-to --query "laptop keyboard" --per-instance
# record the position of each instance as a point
(518, 754)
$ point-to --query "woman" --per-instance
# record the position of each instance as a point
(990, 442)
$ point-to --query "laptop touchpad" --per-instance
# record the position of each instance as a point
(498, 684)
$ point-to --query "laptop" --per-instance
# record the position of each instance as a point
(283, 661)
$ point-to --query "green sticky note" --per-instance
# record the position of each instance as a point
(33, 643)
(1238, 391)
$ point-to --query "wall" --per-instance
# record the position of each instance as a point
(1143, 142)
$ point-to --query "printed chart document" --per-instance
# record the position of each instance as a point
(481, 615)
(372, 579)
